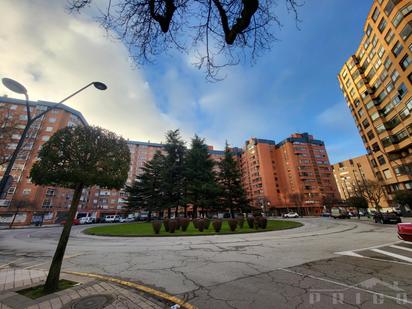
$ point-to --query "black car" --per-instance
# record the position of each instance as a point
(387, 217)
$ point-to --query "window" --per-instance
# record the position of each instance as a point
(375, 14)
(375, 116)
(380, 128)
(389, 6)
(405, 62)
(404, 113)
(397, 48)
(389, 36)
(368, 32)
(406, 31)
(369, 105)
(370, 135)
(26, 191)
(395, 75)
(386, 141)
(11, 190)
(401, 135)
(389, 87)
(23, 117)
(52, 120)
(381, 160)
(381, 52)
(401, 14)
(387, 174)
(382, 25)
(361, 112)
(365, 123)
(387, 63)
(402, 90)
(49, 129)
(375, 147)
(392, 123)
(356, 102)
(45, 138)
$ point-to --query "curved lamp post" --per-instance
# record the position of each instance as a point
(16, 87)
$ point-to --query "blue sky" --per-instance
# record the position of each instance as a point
(292, 88)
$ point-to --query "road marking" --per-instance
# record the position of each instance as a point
(4, 265)
(398, 256)
(401, 248)
(349, 253)
(139, 287)
(399, 300)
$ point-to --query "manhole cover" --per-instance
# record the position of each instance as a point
(91, 302)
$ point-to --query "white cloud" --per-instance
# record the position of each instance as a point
(53, 54)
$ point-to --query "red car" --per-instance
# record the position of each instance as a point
(405, 231)
(75, 222)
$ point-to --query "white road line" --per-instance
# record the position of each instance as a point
(4, 265)
(398, 256)
(35, 265)
(401, 248)
(400, 300)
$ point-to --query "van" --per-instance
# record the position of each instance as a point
(112, 218)
(339, 212)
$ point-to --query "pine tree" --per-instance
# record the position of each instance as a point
(147, 190)
(173, 171)
(201, 187)
(232, 194)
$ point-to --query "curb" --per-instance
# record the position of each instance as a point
(143, 288)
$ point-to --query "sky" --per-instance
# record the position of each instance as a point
(291, 88)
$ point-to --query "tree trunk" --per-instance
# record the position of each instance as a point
(169, 213)
(14, 218)
(149, 216)
(185, 207)
(194, 212)
(176, 211)
(52, 282)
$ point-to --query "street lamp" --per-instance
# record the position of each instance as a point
(16, 87)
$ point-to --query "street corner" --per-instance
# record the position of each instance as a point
(89, 291)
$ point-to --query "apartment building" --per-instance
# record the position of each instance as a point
(293, 174)
(31, 200)
(351, 173)
(376, 82)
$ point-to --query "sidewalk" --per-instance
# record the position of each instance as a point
(90, 293)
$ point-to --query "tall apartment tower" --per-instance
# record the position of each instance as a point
(377, 84)
(294, 174)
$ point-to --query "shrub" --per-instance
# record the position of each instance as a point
(166, 224)
(217, 225)
(207, 223)
(200, 225)
(195, 221)
(157, 225)
(178, 223)
(256, 222)
(250, 222)
(172, 226)
(240, 221)
(184, 223)
(232, 224)
(263, 223)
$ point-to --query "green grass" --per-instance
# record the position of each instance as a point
(146, 229)
(37, 291)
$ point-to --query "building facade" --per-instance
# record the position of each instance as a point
(351, 173)
(376, 82)
(294, 174)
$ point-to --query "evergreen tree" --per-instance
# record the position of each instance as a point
(201, 187)
(232, 194)
(173, 171)
(147, 190)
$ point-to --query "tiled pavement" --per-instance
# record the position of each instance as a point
(13, 279)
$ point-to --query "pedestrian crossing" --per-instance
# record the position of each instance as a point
(400, 252)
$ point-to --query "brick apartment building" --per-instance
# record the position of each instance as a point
(376, 83)
(350, 173)
(293, 175)
(271, 172)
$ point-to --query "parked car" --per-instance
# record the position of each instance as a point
(143, 216)
(87, 220)
(112, 218)
(126, 219)
(405, 231)
(339, 212)
(386, 217)
(325, 214)
(291, 215)
(75, 221)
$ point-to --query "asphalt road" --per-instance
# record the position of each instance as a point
(324, 264)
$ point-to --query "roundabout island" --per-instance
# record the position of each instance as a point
(147, 229)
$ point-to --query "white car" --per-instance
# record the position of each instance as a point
(112, 218)
(87, 220)
(291, 215)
